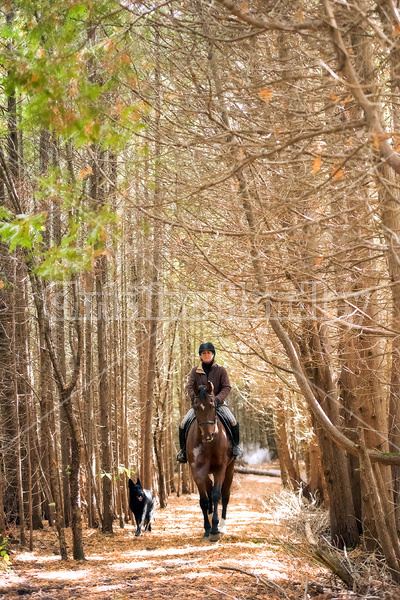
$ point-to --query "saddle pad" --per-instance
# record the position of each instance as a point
(225, 423)
(223, 420)
(188, 425)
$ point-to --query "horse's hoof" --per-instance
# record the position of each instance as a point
(214, 537)
(206, 535)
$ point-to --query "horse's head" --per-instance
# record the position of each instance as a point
(205, 408)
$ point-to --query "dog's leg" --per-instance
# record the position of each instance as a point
(150, 517)
(138, 525)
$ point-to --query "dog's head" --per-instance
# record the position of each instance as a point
(136, 490)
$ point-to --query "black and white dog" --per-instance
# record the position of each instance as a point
(141, 503)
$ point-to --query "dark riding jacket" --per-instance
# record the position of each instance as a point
(218, 377)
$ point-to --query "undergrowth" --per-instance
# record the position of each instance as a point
(308, 535)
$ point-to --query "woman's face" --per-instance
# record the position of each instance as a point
(206, 356)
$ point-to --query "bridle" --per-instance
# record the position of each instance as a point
(214, 422)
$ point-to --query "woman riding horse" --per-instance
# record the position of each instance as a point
(209, 453)
(206, 371)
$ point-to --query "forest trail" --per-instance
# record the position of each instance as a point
(172, 561)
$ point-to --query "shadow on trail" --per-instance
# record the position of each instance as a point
(173, 561)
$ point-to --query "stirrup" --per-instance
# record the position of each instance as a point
(237, 452)
(181, 457)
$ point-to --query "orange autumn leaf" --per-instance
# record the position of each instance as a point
(126, 59)
(396, 29)
(337, 173)
(265, 95)
(83, 172)
(380, 137)
(134, 116)
(69, 117)
(316, 164)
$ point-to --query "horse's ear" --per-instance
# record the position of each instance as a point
(210, 388)
(195, 388)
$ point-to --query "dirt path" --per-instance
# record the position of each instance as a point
(172, 562)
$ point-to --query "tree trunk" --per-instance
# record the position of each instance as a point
(389, 197)
(391, 223)
(59, 311)
(8, 422)
(104, 400)
(316, 486)
(46, 406)
(76, 444)
(17, 442)
(284, 450)
(342, 519)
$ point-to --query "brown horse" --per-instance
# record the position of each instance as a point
(209, 452)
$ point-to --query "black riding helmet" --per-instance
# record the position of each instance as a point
(206, 346)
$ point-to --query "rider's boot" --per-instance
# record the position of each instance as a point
(236, 449)
(181, 458)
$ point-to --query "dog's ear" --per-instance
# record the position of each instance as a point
(131, 484)
(138, 482)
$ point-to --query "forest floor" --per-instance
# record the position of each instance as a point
(173, 561)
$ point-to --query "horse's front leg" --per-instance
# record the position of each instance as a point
(200, 476)
(215, 498)
(204, 503)
(226, 488)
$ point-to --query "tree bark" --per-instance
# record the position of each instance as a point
(101, 268)
(46, 406)
(284, 450)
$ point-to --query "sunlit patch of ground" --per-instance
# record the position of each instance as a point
(173, 562)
